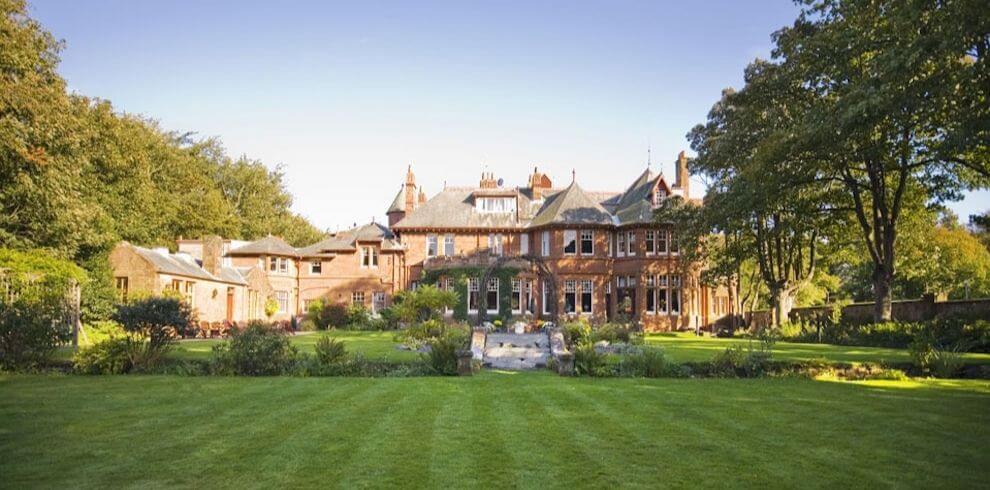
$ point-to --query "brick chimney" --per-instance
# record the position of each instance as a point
(410, 191)
(539, 183)
(488, 181)
(681, 175)
(212, 254)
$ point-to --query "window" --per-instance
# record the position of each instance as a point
(495, 243)
(377, 302)
(587, 242)
(674, 247)
(283, 265)
(369, 257)
(357, 298)
(431, 245)
(175, 285)
(586, 295)
(675, 295)
(650, 242)
(530, 305)
(621, 249)
(189, 292)
(662, 296)
(496, 204)
(609, 246)
(473, 294)
(448, 245)
(570, 296)
(651, 294)
(516, 298)
(662, 242)
(524, 244)
(570, 242)
(316, 267)
(545, 298)
(631, 243)
(491, 298)
(121, 284)
(545, 244)
(282, 298)
(273, 264)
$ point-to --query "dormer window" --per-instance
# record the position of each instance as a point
(658, 195)
(495, 204)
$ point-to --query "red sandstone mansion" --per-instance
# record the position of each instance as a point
(602, 252)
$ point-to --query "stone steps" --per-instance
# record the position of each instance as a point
(516, 351)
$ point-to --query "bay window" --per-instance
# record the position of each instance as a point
(587, 287)
(587, 242)
(570, 296)
(650, 242)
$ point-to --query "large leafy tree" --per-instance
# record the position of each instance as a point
(900, 109)
(760, 201)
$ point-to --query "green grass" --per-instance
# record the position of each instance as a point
(686, 347)
(493, 430)
(375, 345)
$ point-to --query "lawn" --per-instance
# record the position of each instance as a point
(686, 347)
(494, 430)
(376, 345)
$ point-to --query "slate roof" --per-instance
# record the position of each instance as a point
(399, 203)
(269, 245)
(571, 206)
(455, 208)
(186, 265)
(346, 241)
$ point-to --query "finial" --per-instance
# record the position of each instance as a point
(573, 175)
(649, 155)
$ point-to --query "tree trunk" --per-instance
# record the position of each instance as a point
(882, 290)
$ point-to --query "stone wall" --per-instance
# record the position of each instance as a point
(914, 310)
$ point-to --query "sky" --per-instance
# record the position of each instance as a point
(344, 96)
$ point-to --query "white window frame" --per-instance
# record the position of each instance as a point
(314, 264)
(431, 239)
(673, 246)
(378, 298)
(495, 241)
(473, 286)
(662, 240)
(631, 243)
(492, 286)
(587, 287)
(586, 236)
(675, 290)
(448, 245)
(282, 298)
(544, 301)
(357, 298)
(649, 241)
(570, 287)
(620, 250)
(369, 257)
(663, 292)
(545, 243)
(524, 244)
(516, 292)
(570, 237)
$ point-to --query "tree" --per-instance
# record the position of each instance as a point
(900, 108)
(759, 199)
(980, 224)
(426, 302)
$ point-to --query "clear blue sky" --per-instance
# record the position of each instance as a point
(345, 95)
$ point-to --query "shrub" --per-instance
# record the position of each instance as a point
(930, 359)
(34, 306)
(576, 332)
(158, 319)
(357, 316)
(426, 302)
(423, 333)
(256, 350)
(442, 357)
(330, 350)
(648, 362)
(614, 333)
(325, 314)
(590, 362)
(109, 356)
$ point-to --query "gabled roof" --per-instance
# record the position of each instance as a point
(185, 265)
(347, 241)
(269, 245)
(635, 205)
(571, 206)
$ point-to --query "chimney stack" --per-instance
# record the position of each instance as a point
(212, 254)
(539, 184)
(488, 181)
(681, 175)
